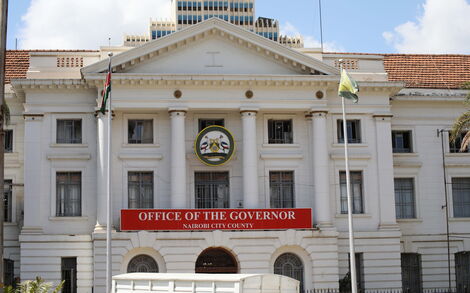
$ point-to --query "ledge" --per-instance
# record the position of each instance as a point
(281, 145)
(70, 219)
(463, 219)
(140, 146)
(140, 156)
(282, 155)
(68, 145)
(359, 216)
(79, 157)
(413, 220)
(339, 155)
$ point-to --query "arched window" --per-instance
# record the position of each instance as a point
(216, 261)
(290, 265)
(142, 264)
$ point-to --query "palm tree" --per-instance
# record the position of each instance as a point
(462, 123)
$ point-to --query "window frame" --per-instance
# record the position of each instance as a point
(294, 125)
(125, 130)
(419, 269)
(8, 205)
(85, 126)
(459, 283)
(69, 142)
(403, 150)
(153, 190)
(12, 138)
(452, 147)
(229, 197)
(141, 140)
(413, 180)
(339, 130)
(344, 198)
(454, 197)
(55, 194)
(302, 268)
(64, 268)
(199, 120)
(292, 188)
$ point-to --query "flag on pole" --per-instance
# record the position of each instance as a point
(107, 89)
(348, 87)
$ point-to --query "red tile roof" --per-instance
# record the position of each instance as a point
(428, 71)
(16, 64)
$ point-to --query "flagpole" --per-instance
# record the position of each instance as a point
(109, 272)
(352, 254)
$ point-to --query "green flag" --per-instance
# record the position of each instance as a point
(348, 87)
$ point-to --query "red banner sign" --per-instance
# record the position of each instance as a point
(216, 219)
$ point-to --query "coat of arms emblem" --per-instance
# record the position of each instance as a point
(214, 145)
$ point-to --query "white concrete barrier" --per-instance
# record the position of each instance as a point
(204, 283)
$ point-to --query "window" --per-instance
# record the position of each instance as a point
(345, 283)
(140, 131)
(401, 141)
(69, 131)
(7, 200)
(462, 271)
(454, 147)
(281, 185)
(353, 128)
(356, 192)
(280, 131)
(461, 197)
(212, 190)
(290, 265)
(411, 272)
(69, 274)
(69, 194)
(8, 141)
(203, 123)
(140, 186)
(142, 264)
(405, 198)
(9, 272)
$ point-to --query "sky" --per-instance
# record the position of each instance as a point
(370, 26)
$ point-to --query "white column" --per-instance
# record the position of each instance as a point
(101, 163)
(33, 174)
(178, 160)
(383, 132)
(321, 172)
(250, 161)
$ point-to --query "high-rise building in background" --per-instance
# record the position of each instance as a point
(238, 12)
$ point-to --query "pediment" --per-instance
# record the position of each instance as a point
(213, 47)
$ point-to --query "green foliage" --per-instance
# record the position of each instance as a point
(36, 286)
(462, 123)
(5, 111)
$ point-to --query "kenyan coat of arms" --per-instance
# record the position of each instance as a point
(214, 145)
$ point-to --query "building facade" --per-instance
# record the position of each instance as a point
(282, 108)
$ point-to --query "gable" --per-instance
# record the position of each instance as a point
(213, 55)
(274, 56)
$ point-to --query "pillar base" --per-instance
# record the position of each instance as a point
(32, 230)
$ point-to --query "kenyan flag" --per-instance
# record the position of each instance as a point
(106, 93)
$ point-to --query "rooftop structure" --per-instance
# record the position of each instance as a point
(238, 12)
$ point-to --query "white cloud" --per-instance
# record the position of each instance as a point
(309, 41)
(443, 27)
(87, 24)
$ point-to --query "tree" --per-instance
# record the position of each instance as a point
(35, 286)
(462, 123)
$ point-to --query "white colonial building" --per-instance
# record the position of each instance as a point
(282, 107)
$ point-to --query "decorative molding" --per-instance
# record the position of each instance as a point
(79, 157)
(140, 156)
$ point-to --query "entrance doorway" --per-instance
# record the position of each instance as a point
(216, 261)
